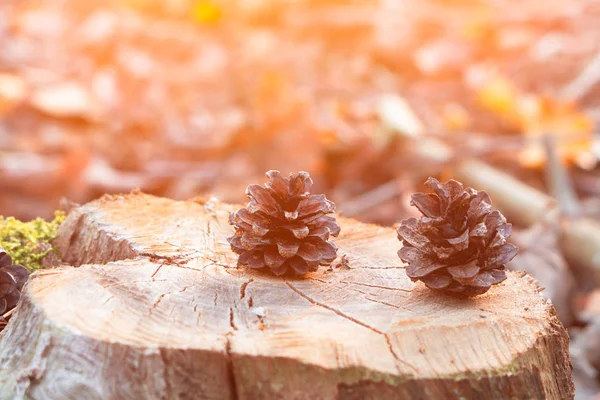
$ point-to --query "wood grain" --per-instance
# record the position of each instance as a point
(155, 308)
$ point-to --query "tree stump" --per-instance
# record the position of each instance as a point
(154, 307)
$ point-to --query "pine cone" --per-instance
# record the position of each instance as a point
(459, 244)
(284, 226)
(12, 279)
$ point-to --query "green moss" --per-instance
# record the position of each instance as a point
(28, 242)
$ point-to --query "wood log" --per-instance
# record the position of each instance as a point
(156, 308)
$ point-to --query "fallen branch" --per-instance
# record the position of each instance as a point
(517, 200)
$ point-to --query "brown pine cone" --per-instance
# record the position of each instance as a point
(12, 279)
(459, 244)
(284, 226)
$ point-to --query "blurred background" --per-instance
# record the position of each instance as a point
(185, 98)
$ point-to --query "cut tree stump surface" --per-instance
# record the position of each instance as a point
(157, 309)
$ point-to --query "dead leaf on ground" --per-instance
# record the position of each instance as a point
(539, 255)
(64, 100)
(533, 116)
(12, 92)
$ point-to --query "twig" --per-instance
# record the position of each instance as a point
(558, 182)
(519, 201)
(370, 199)
(7, 314)
(585, 81)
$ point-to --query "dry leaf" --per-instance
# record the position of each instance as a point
(65, 100)
(540, 256)
(12, 92)
(572, 128)
(498, 95)
(534, 116)
(397, 115)
(205, 12)
(456, 117)
(584, 348)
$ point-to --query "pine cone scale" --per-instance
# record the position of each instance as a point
(301, 232)
(309, 253)
(437, 280)
(501, 256)
(287, 249)
(272, 258)
(277, 184)
(409, 254)
(461, 242)
(410, 233)
(328, 251)
(320, 233)
(480, 206)
(299, 265)
(299, 184)
(329, 223)
(314, 205)
(12, 279)
(423, 267)
(256, 260)
(488, 278)
(428, 205)
(7, 283)
(250, 241)
(464, 272)
(5, 259)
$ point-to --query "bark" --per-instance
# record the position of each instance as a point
(154, 307)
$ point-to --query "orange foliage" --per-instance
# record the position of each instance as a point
(535, 116)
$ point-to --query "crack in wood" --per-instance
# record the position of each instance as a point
(132, 282)
(107, 300)
(388, 304)
(168, 387)
(496, 314)
(180, 247)
(171, 260)
(37, 366)
(162, 296)
(157, 269)
(187, 287)
(244, 286)
(352, 319)
(336, 353)
(376, 286)
(361, 292)
(231, 378)
(231, 319)
(396, 357)
(157, 302)
(338, 312)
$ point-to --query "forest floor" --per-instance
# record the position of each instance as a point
(182, 98)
